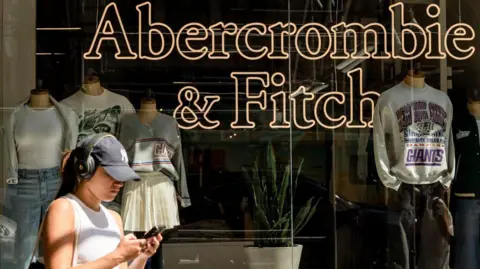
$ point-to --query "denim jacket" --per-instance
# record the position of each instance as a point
(70, 135)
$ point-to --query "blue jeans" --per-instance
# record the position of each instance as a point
(29, 199)
(467, 230)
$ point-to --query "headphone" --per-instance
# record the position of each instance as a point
(85, 165)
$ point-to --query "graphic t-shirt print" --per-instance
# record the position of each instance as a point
(423, 131)
(97, 121)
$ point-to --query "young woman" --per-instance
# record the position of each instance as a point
(79, 232)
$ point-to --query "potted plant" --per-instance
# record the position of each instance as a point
(272, 195)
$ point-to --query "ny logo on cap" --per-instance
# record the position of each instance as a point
(124, 155)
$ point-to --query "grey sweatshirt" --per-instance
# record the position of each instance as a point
(157, 147)
(412, 136)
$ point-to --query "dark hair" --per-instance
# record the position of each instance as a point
(69, 177)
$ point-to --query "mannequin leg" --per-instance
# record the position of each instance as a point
(399, 228)
(49, 186)
(27, 214)
(7, 246)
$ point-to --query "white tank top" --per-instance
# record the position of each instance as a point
(98, 232)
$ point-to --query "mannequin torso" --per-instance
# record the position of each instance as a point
(39, 119)
(148, 111)
(98, 109)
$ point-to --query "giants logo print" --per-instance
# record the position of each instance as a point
(162, 149)
(423, 128)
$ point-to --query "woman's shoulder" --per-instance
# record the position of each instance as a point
(61, 206)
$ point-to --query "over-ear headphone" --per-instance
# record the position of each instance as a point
(85, 164)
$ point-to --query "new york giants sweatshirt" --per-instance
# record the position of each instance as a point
(156, 147)
(412, 136)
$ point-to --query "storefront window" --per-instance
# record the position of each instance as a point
(279, 134)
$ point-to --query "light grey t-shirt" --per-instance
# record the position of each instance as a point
(38, 137)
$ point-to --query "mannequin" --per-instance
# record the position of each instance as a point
(412, 123)
(154, 150)
(40, 129)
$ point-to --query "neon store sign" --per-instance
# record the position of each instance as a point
(458, 36)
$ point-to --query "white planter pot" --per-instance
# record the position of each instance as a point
(273, 258)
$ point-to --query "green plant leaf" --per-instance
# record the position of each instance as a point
(299, 170)
(311, 212)
(281, 198)
(286, 231)
(262, 218)
(276, 233)
(272, 167)
(255, 187)
(274, 226)
(302, 214)
(266, 195)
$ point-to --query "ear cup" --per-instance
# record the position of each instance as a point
(91, 167)
(85, 168)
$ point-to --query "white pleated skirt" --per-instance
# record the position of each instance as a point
(148, 202)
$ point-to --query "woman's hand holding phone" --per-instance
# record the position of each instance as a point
(129, 248)
(151, 245)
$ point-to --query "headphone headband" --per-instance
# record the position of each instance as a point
(92, 142)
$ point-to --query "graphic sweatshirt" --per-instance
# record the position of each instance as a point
(99, 113)
(412, 136)
(156, 147)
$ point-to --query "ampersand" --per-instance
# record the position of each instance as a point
(187, 116)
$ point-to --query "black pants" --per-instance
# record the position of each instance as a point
(156, 261)
(411, 205)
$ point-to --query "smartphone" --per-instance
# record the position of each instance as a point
(154, 231)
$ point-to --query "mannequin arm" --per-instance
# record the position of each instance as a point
(9, 140)
(179, 164)
(450, 147)
(381, 127)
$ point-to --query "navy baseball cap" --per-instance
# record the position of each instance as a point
(111, 155)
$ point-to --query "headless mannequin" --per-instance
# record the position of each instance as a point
(415, 79)
(410, 199)
(92, 86)
(39, 99)
(148, 111)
